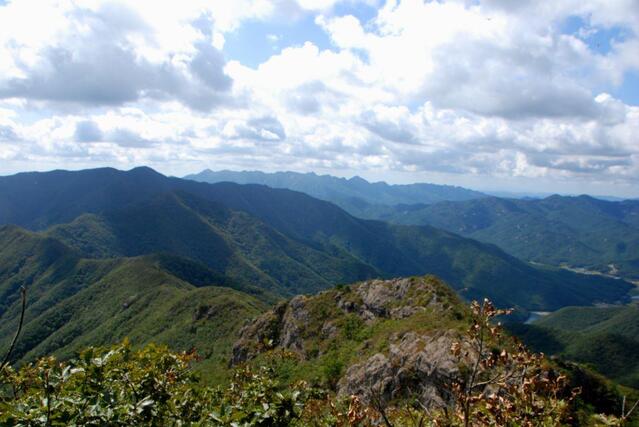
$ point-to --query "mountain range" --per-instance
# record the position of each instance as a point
(74, 302)
(280, 241)
(107, 254)
(346, 193)
(583, 231)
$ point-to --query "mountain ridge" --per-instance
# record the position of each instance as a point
(578, 231)
(309, 229)
(345, 192)
(75, 302)
(544, 230)
(167, 260)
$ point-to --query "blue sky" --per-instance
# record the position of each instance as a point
(256, 41)
(490, 94)
(602, 41)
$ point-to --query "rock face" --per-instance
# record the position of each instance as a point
(277, 328)
(383, 366)
(416, 365)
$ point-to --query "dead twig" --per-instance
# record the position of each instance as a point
(5, 362)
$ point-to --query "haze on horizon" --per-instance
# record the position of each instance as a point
(511, 95)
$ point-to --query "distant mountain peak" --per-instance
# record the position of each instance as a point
(351, 194)
(144, 170)
(359, 179)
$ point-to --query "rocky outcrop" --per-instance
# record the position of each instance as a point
(370, 300)
(418, 365)
(277, 328)
(410, 362)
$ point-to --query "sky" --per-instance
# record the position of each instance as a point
(511, 95)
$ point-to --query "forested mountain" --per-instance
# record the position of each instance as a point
(582, 231)
(351, 355)
(75, 302)
(346, 193)
(578, 231)
(604, 337)
(278, 240)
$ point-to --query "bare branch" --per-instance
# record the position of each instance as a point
(626, 415)
(5, 362)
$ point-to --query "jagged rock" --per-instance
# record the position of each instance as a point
(410, 363)
(367, 316)
(329, 330)
(347, 306)
(259, 335)
(415, 364)
(294, 317)
(379, 293)
(277, 328)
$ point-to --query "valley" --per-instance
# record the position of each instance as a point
(584, 232)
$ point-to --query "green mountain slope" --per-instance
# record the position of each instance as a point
(75, 302)
(384, 340)
(37, 200)
(326, 246)
(578, 231)
(605, 337)
(378, 345)
(336, 331)
(232, 243)
(282, 240)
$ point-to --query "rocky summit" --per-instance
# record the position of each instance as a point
(399, 333)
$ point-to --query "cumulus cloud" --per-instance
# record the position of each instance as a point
(7, 134)
(128, 138)
(311, 98)
(258, 128)
(391, 124)
(493, 89)
(87, 131)
(509, 82)
(102, 65)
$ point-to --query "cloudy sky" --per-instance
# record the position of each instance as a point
(520, 95)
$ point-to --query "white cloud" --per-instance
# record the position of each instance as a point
(490, 89)
(109, 55)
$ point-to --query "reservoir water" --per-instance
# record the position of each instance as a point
(536, 315)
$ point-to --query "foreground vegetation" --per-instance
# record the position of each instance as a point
(122, 386)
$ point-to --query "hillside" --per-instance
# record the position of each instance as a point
(346, 193)
(385, 341)
(578, 231)
(75, 302)
(605, 337)
(351, 355)
(232, 243)
(279, 240)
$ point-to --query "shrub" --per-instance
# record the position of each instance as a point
(332, 369)
(499, 383)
